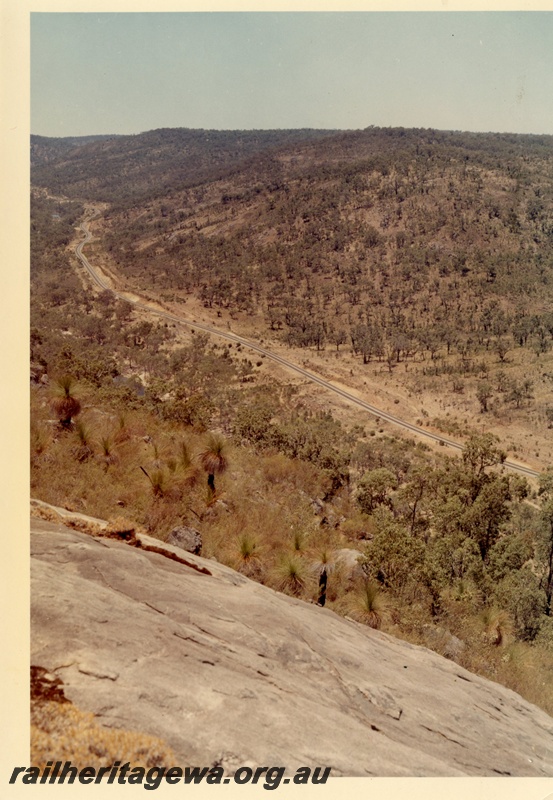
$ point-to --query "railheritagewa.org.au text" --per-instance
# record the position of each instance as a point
(57, 772)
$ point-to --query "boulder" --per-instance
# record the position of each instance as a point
(443, 642)
(349, 558)
(188, 538)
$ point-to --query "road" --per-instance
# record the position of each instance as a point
(350, 398)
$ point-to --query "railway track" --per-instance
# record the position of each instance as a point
(289, 365)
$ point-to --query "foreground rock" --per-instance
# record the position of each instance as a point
(228, 671)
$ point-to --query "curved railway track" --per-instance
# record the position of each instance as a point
(232, 337)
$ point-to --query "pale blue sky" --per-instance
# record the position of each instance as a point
(97, 73)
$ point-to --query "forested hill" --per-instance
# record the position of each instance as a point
(400, 242)
(442, 233)
(45, 149)
(138, 167)
(167, 159)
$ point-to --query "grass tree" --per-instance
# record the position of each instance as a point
(298, 540)
(158, 481)
(248, 558)
(323, 565)
(108, 453)
(64, 402)
(84, 449)
(291, 575)
(188, 468)
(214, 460)
(366, 604)
(496, 625)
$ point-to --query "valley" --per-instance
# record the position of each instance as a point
(211, 325)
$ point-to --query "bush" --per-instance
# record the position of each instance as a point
(375, 488)
(393, 557)
(520, 594)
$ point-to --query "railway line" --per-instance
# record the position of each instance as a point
(289, 365)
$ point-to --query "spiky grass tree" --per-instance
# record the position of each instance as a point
(247, 545)
(291, 575)
(84, 449)
(367, 604)
(186, 464)
(157, 455)
(496, 624)
(107, 447)
(64, 402)
(323, 564)
(298, 540)
(122, 432)
(158, 481)
(248, 560)
(214, 460)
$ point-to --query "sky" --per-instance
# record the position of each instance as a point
(125, 73)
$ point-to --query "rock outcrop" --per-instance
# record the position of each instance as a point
(187, 538)
(228, 671)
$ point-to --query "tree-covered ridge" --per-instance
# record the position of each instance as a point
(124, 170)
(397, 243)
(46, 150)
(184, 157)
(425, 254)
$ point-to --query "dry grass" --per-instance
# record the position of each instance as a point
(279, 470)
(262, 523)
(83, 525)
(529, 671)
(62, 732)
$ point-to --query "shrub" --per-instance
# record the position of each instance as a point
(393, 557)
(374, 489)
(520, 594)
(64, 402)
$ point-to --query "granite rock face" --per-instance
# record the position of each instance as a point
(228, 671)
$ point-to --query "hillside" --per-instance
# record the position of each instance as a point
(45, 149)
(140, 416)
(229, 672)
(150, 164)
(417, 260)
